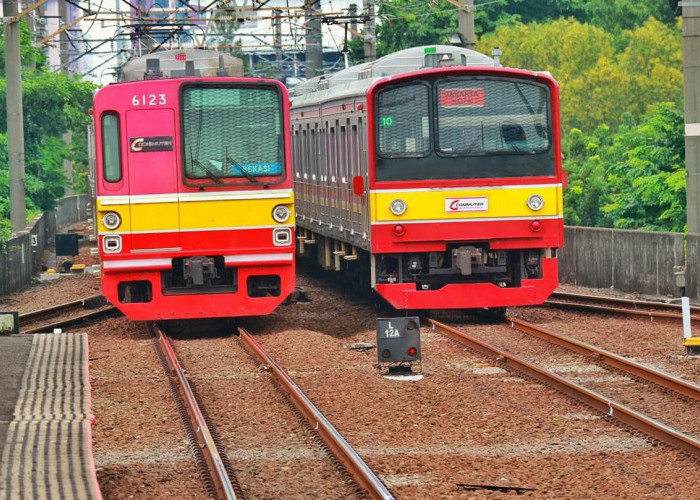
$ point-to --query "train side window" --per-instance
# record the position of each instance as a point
(111, 152)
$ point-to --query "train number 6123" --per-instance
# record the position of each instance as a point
(149, 100)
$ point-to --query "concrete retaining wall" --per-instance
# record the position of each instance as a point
(630, 261)
(21, 255)
(692, 265)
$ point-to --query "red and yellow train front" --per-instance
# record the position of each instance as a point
(465, 188)
(194, 200)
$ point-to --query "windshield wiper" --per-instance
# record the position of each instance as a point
(209, 173)
(478, 139)
(247, 174)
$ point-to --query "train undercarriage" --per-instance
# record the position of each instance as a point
(464, 276)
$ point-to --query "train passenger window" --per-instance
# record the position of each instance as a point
(477, 117)
(232, 133)
(403, 120)
(111, 153)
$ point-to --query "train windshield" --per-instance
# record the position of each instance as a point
(232, 133)
(495, 117)
(463, 127)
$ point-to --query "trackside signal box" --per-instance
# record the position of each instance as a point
(67, 244)
(398, 339)
(9, 323)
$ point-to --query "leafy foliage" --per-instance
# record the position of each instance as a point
(602, 76)
(647, 174)
(53, 104)
(632, 180)
(30, 56)
(409, 23)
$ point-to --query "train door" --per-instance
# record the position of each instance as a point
(153, 179)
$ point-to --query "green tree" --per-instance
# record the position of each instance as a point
(587, 185)
(53, 103)
(616, 15)
(410, 23)
(601, 77)
(647, 174)
(30, 56)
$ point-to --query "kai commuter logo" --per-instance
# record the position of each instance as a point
(480, 204)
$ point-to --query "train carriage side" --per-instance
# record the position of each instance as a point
(455, 185)
(194, 199)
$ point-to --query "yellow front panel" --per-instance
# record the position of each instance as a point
(501, 202)
(121, 208)
(160, 216)
(141, 214)
(230, 213)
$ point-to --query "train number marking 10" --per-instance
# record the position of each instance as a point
(149, 100)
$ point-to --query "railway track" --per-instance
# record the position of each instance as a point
(65, 315)
(660, 405)
(616, 305)
(215, 471)
(207, 442)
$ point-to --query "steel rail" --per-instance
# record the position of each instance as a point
(648, 373)
(217, 470)
(620, 301)
(82, 318)
(617, 310)
(624, 414)
(58, 308)
(347, 456)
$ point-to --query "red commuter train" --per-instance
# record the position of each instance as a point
(193, 189)
(434, 176)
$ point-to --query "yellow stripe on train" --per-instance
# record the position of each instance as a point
(445, 204)
(168, 215)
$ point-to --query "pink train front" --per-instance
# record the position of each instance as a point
(193, 191)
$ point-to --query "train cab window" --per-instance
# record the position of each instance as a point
(232, 134)
(478, 116)
(403, 115)
(111, 153)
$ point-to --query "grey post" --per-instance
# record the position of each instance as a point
(691, 94)
(465, 23)
(369, 32)
(314, 39)
(15, 118)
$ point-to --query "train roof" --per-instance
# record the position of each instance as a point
(180, 63)
(357, 79)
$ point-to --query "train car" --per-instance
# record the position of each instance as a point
(193, 189)
(434, 176)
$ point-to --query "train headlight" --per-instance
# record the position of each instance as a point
(535, 202)
(111, 220)
(398, 207)
(281, 213)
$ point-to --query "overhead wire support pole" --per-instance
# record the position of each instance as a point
(314, 39)
(26, 11)
(691, 109)
(465, 22)
(369, 36)
(15, 118)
